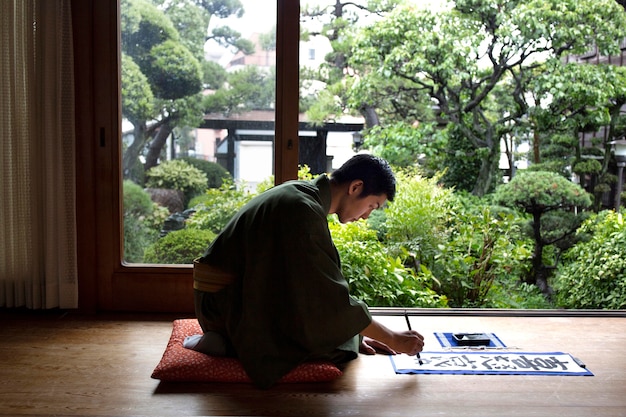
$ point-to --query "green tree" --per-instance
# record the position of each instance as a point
(250, 88)
(165, 41)
(214, 75)
(405, 145)
(375, 276)
(594, 270)
(150, 40)
(574, 99)
(471, 61)
(338, 20)
(550, 200)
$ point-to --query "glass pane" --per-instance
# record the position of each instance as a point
(198, 92)
(332, 131)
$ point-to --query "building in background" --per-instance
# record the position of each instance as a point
(243, 143)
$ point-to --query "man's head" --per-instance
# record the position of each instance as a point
(361, 185)
(375, 172)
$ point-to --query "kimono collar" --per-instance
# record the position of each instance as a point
(323, 185)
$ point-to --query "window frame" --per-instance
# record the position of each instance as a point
(106, 283)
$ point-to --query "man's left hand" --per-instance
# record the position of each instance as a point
(371, 346)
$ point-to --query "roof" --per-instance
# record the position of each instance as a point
(265, 119)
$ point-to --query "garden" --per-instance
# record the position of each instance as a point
(432, 247)
(502, 130)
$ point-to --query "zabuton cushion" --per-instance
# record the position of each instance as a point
(181, 364)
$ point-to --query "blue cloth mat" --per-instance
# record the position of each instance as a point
(447, 341)
(490, 363)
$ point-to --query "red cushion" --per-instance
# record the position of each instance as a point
(181, 364)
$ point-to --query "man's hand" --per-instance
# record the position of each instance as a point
(376, 336)
(371, 346)
(408, 341)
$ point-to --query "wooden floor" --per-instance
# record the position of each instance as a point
(54, 364)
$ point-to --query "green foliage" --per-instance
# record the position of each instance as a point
(594, 272)
(587, 98)
(416, 220)
(136, 238)
(163, 45)
(304, 173)
(215, 173)
(216, 207)
(549, 198)
(177, 175)
(214, 75)
(404, 145)
(325, 105)
(516, 295)
(337, 23)
(174, 73)
(137, 97)
(541, 191)
(143, 25)
(249, 88)
(589, 166)
(142, 221)
(179, 247)
(456, 242)
(461, 161)
(137, 202)
(191, 19)
(376, 277)
(437, 57)
(481, 249)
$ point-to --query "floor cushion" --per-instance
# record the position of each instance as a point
(181, 364)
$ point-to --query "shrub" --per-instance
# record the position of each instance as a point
(456, 242)
(216, 207)
(479, 252)
(142, 221)
(416, 220)
(136, 238)
(177, 175)
(593, 275)
(550, 199)
(376, 277)
(517, 295)
(137, 202)
(179, 247)
(214, 172)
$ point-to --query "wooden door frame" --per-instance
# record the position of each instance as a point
(105, 282)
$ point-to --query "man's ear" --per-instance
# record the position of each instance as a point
(356, 187)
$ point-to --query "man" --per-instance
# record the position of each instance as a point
(270, 290)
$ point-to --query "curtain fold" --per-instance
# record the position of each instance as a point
(38, 265)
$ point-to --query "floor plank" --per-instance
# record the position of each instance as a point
(71, 365)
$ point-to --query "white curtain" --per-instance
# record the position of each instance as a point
(37, 172)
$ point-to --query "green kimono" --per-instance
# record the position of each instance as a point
(288, 301)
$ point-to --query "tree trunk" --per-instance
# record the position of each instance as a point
(485, 176)
(539, 273)
(131, 155)
(156, 146)
(536, 154)
(370, 116)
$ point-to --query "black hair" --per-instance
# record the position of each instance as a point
(375, 173)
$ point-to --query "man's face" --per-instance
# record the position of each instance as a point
(353, 208)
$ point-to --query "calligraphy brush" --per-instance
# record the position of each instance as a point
(408, 323)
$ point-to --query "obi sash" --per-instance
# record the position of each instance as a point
(208, 278)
